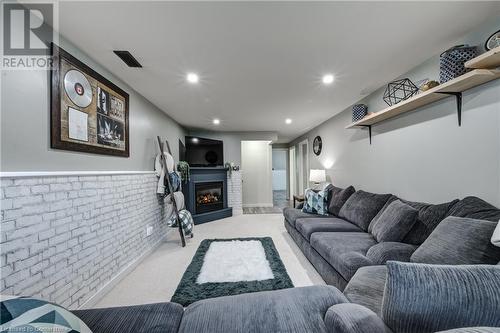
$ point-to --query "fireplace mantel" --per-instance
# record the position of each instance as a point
(201, 175)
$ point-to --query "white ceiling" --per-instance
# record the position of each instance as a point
(262, 62)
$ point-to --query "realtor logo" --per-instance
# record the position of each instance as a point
(28, 32)
(27, 28)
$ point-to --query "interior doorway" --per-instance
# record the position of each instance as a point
(256, 176)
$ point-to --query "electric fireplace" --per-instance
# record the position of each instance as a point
(209, 197)
(206, 194)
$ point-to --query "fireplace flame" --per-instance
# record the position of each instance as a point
(207, 198)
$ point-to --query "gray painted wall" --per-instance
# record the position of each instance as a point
(422, 155)
(25, 131)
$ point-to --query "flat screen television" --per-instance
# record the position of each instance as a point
(201, 152)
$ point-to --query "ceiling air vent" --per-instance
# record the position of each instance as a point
(128, 58)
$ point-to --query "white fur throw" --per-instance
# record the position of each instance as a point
(233, 261)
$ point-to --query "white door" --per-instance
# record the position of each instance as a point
(256, 173)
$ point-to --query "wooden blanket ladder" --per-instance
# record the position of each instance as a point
(163, 160)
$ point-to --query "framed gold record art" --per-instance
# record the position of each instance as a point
(88, 112)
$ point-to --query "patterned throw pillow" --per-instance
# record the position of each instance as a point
(187, 221)
(316, 202)
(26, 314)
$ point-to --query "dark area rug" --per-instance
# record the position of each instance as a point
(188, 291)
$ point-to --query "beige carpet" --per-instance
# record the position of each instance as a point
(156, 278)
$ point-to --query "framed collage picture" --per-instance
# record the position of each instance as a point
(88, 112)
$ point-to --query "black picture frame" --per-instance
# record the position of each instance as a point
(317, 145)
(56, 109)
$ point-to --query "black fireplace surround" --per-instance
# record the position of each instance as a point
(206, 194)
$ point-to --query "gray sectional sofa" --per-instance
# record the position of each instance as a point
(402, 266)
(460, 298)
(341, 243)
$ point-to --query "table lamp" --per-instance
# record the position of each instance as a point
(317, 176)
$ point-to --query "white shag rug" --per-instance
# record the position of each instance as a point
(233, 261)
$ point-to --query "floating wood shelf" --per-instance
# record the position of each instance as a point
(490, 59)
(453, 87)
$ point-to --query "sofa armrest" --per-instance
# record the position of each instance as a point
(353, 318)
(382, 252)
(473, 330)
(352, 261)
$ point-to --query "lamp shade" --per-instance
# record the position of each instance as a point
(317, 176)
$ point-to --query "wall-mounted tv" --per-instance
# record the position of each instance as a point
(201, 152)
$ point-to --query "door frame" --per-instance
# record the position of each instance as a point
(292, 162)
(303, 174)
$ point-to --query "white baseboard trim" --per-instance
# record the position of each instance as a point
(24, 174)
(94, 299)
(258, 205)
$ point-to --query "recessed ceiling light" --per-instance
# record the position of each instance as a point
(216, 121)
(194, 140)
(328, 79)
(288, 121)
(192, 78)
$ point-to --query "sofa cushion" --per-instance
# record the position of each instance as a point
(292, 214)
(473, 330)
(353, 318)
(345, 251)
(338, 198)
(307, 226)
(381, 253)
(475, 208)
(361, 207)
(316, 202)
(459, 241)
(429, 298)
(287, 310)
(429, 216)
(394, 223)
(367, 287)
(147, 318)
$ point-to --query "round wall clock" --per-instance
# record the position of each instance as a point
(317, 145)
(493, 41)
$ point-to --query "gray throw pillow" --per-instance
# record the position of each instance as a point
(338, 198)
(361, 208)
(429, 216)
(459, 241)
(429, 298)
(475, 208)
(394, 222)
(391, 200)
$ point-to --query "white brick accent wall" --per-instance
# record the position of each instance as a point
(64, 238)
(234, 192)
